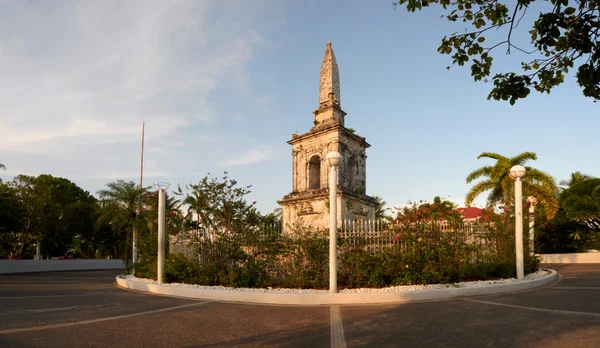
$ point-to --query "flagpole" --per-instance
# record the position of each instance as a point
(134, 256)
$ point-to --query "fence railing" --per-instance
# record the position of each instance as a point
(368, 235)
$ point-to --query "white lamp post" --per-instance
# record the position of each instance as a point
(161, 231)
(532, 201)
(334, 159)
(518, 172)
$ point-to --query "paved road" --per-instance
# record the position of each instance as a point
(86, 309)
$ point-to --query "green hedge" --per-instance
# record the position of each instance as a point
(422, 255)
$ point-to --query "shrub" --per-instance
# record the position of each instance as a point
(420, 254)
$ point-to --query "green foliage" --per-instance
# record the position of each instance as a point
(422, 254)
(47, 210)
(120, 206)
(420, 212)
(576, 227)
(576, 178)
(219, 204)
(565, 32)
(381, 211)
(497, 180)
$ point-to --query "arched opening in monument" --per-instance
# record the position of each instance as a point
(352, 169)
(314, 173)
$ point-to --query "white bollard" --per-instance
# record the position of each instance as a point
(134, 248)
(334, 161)
(532, 201)
(161, 236)
(518, 172)
(333, 230)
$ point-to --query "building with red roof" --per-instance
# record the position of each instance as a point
(474, 214)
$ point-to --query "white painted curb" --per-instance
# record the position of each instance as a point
(589, 257)
(331, 299)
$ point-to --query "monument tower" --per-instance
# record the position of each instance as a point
(308, 203)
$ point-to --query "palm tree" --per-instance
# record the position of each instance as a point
(576, 178)
(497, 180)
(380, 211)
(274, 218)
(120, 204)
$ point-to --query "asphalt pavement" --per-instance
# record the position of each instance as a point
(87, 309)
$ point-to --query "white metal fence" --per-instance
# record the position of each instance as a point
(367, 235)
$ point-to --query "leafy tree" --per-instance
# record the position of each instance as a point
(2, 166)
(429, 212)
(576, 178)
(54, 210)
(576, 227)
(220, 204)
(581, 201)
(11, 220)
(565, 32)
(497, 180)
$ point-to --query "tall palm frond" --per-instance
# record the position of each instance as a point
(576, 178)
(536, 183)
(380, 210)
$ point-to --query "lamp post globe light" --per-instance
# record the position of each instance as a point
(518, 173)
(162, 186)
(334, 159)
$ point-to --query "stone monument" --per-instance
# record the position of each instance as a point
(308, 203)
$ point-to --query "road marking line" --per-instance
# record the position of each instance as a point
(85, 322)
(575, 287)
(555, 311)
(61, 309)
(52, 296)
(337, 328)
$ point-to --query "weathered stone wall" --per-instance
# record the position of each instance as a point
(353, 174)
(314, 210)
(352, 177)
(319, 145)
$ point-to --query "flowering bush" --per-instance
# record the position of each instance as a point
(421, 254)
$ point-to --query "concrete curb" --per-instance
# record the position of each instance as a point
(314, 299)
(30, 266)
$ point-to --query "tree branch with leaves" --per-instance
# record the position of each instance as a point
(565, 34)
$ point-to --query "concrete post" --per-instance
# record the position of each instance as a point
(161, 236)
(532, 201)
(38, 250)
(134, 249)
(333, 230)
(518, 172)
(519, 226)
(334, 159)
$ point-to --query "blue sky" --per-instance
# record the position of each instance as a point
(222, 85)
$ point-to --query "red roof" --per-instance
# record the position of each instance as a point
(475, 213)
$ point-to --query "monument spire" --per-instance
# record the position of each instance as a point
(329, 87)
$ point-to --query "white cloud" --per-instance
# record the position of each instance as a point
(79, 77)
(251, 156)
